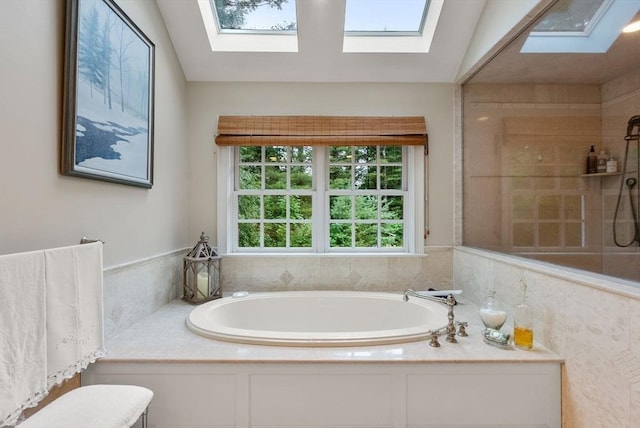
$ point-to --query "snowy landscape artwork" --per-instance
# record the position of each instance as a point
(109, 113)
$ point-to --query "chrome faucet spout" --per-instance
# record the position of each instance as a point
(450, 301)
(443, 300)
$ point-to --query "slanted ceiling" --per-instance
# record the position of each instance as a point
(320, 41)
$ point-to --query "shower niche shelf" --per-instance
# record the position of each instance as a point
(601, 174)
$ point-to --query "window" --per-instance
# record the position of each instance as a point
(274, 197)
(401, 26)
(320, 199)
(384, 17)
(580, 26)
(568, 15)
(366, 197)
(372, 26)
(258, 16)
(321, 184)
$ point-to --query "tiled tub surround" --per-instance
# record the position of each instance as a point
(591, 320)
(207, 383)
(134, 290)
(338, 272)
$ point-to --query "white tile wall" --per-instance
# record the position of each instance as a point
(339, 272)
(135, 290)
(588, 319)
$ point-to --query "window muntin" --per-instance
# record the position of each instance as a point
(270, 16)
(278, 194)
(385, 17)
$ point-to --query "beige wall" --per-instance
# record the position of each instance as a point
(433, 101)
(39, 208)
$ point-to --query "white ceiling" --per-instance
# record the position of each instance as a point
(320, 57)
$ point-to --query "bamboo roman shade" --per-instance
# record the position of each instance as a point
(321, 130)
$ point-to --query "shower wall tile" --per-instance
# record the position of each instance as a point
(135, 290)
(620, 101)
(589, 320)
(621, 86)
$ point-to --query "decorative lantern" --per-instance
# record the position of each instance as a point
(201, 273)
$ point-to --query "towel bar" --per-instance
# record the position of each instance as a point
(85, 240)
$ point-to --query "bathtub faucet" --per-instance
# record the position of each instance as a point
(450, 301)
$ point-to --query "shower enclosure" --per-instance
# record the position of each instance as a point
(529, 119)
(526, 191)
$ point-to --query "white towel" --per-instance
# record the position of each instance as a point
(74, 309)
(23, 375)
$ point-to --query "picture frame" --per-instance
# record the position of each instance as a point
(108, 111)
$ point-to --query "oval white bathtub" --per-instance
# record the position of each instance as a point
(318, 318)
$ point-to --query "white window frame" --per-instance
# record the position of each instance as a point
(414, 208)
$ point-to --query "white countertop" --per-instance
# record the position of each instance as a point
(163, 337)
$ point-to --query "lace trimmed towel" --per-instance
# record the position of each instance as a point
(23, 342)
(74, 309)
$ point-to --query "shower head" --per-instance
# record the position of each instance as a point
(633, 123)
(631, 182)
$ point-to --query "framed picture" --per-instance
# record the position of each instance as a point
(108, 97)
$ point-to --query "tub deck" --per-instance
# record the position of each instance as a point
(205, 383)
(164, 337)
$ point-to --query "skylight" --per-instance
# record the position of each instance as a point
(255, 16)
(570, 16)
(384, 17)
(580, 26)
(390, 26)
(250, 25)
(371, 26)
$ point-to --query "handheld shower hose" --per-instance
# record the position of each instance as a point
(631, 182)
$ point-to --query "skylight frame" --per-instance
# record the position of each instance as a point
(245, 41)
(383, 42)
(603, 33)
(257, 31)
(593, 22)
(392, 33)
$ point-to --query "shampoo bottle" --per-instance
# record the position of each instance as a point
(602, 161)
(592, 161)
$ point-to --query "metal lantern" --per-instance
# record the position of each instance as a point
(201, 273)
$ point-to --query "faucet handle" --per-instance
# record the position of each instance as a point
(462, 328)
(434, 339)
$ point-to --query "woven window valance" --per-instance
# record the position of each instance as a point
(321, 130)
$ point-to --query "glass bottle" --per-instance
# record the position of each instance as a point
(492, 312)
(523, 322)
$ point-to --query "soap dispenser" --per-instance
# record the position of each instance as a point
(523, 321)
(592, 161)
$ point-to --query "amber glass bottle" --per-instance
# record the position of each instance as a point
(523, 322)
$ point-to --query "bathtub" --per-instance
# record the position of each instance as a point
(317, 318)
